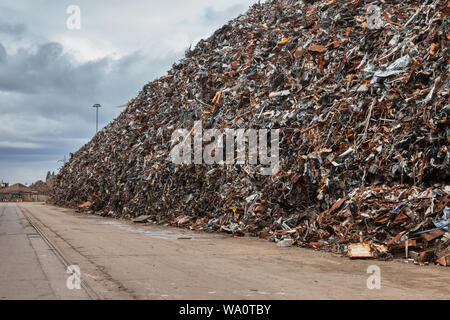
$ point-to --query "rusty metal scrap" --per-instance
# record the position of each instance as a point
(363, 114)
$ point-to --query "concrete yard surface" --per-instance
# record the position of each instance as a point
(29, 269)
(125, 260)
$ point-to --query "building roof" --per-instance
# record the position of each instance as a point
(16, 188)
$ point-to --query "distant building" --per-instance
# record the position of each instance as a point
(19, 193)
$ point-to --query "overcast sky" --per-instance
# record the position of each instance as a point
(50, 75)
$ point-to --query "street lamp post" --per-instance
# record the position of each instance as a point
(96, 106)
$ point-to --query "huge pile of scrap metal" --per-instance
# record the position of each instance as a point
(41, 187)
(360, 94)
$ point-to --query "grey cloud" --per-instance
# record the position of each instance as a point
(212, 15)
(47, 97)
(46, 94)
(48, 69)
(2, 53)
(12, 29)
(47, 54)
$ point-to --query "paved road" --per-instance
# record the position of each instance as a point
(28, 268)
(123, 260)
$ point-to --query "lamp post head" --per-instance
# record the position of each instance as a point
(96, 105)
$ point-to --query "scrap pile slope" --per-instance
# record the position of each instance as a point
(360, 95)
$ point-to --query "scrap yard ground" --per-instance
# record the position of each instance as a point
(122, 260)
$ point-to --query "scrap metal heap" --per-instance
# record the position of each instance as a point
(43, 188)
(362, 108)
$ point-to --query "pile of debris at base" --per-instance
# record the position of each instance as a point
(360, 94)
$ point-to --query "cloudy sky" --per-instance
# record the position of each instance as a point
(51, 74)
